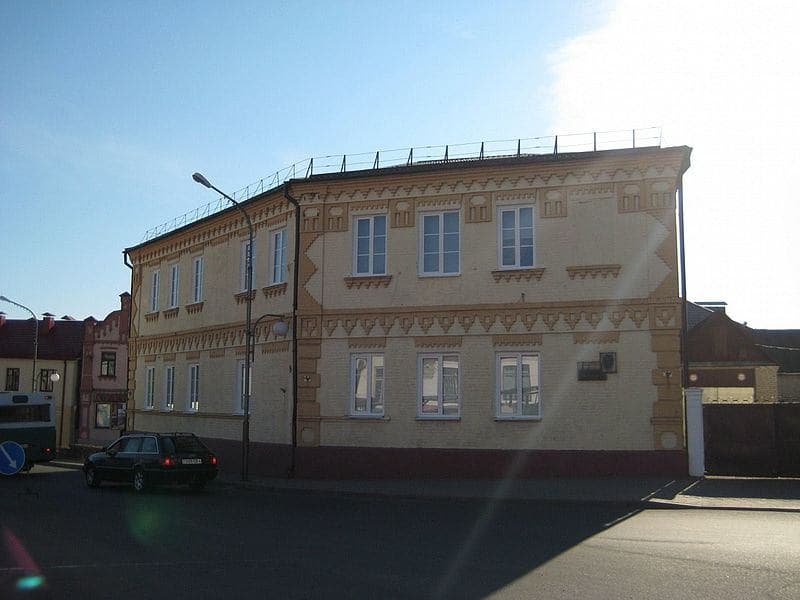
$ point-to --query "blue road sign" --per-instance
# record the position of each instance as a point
(12, 458)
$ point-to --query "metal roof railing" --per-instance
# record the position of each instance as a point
(418, 155)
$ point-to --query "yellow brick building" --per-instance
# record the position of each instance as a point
(512, 316)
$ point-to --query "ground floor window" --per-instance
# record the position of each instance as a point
(110, 415)
(45, 380)
(194, 387)
(366, 396)
(439, 393)
(518, 386)
(12, 379)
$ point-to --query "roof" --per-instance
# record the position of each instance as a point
(720, 339)
(696, 314)
(63, 342)
(782, 345)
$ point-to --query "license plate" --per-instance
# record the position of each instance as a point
(192, 461)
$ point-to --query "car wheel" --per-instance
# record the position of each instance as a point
(92, 478)
(138, 480)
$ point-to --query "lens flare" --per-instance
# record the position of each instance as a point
(30, 582)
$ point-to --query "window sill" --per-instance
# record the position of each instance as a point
(171, 313)
(514, 274)
(102, 377)
(275, 289)
(435, 275)
(151, 316)
(194, 308)
(507, 419)
(368, 417)
(438, 418)
(367, 281)
(241, 297)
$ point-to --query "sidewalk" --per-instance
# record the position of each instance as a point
(636, 492)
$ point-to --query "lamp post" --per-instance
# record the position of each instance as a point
(35, 338)
(249, 331)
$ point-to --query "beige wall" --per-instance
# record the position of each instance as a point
(605, 278)
(789, 387)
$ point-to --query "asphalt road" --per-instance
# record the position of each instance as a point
(64, 540)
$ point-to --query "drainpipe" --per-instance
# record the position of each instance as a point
(684, 299)
(295, 284)
(63, 407)
(127, 369)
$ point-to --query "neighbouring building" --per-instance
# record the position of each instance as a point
(783, 347)
(59, 353)
(104, 376)
(512, 316)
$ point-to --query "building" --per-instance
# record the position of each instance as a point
(59, 353)
(513, 316)
(783, 347)
(725, 359)
(104, 376)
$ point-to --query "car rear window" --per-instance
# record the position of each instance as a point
(182, 443)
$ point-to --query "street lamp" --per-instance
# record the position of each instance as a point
(35, 338)
(249, 332)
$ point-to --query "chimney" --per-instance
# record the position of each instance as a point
(2, 319)
(49, 321)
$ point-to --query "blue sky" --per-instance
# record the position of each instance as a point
(107, 108)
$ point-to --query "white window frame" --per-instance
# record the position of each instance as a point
(440, 357)
(149, 387)
(243, 265)
(169, 387)
(174, 284)
(371, 254)
(193, 389)
(239, 400)
(517, 416)
(277, 256)
(369, 413)
(154, 281)
(517, 247)
(440, 252)
(197, 265)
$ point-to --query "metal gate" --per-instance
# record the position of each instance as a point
(754, 440)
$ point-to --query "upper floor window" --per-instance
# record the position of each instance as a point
(197, 295)
(370, 246)
(173, 286)
(367, 376)
(169, 387)
(516, 237)
(440, 243)
(12, 379)
(247, 253)
(278, 256)
(108, 364)
(439, 393)
(149, 387)
(518, 386)
(154, 291)
(193, 401)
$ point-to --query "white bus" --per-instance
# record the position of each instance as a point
(29, 419)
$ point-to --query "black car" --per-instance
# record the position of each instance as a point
(146, 459)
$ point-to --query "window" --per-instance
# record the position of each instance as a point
(149, 446)
(518, 386)
(154, 292)
(198, 279)
(245, 254)
(110, 415)
(45, 383)
(173, 286)
(440, 244)
(278, 254)
(240, 369)
(149, 387)
(366, 397)
(12, 379)
(516, 237)
(438, 386)
(194, 388)
(108, 364)
(169, 388)
(370, 246)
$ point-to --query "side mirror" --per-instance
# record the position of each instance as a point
(112, 452)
